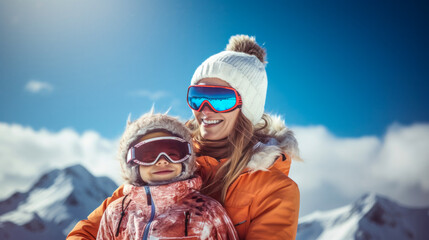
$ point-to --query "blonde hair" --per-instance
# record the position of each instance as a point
(237, 147)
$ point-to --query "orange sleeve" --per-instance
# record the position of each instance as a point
(275, 213)
(87, 229)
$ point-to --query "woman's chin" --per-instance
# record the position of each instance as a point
(211, 135)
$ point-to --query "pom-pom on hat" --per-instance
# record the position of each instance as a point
(147, 123)
(241, 65)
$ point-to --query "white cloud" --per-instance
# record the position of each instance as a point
(35, 86)
(335, 170)
(153, 96)
(338, 170)
(25, 154)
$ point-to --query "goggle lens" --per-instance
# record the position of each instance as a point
(148, 152)
(220, 99)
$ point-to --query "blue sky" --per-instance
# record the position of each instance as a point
(350, 77)
(355, 67)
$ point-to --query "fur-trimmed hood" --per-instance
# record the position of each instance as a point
(146, 124)
(281, 140)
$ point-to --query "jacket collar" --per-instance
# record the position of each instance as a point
(167, 194)
(282, 146)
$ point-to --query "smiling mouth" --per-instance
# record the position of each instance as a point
(210, 122)
(163, 172)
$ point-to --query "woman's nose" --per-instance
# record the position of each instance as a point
(206, 109)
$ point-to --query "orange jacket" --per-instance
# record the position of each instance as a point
(263, 202)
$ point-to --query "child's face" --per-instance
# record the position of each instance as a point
(163, 170)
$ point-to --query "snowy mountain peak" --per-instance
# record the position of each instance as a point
(77, 172)
(370, 217)
(371, 202)
(370, 199)
(53, 204)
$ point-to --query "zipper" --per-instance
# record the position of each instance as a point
(152, 214)
(187, 217)
(240, 223)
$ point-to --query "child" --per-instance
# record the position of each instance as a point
(161, 198)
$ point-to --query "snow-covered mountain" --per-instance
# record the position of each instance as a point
(370, 217)
(53, 205)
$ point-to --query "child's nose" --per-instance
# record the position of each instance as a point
(162, 161)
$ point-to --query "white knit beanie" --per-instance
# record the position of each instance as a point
(243, 71)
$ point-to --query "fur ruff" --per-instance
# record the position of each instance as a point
(282, 140)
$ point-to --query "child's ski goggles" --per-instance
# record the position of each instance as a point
(218, 98)
(149, 151)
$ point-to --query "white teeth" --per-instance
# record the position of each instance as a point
(211, 121)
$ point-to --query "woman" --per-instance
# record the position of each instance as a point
(244, 155)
